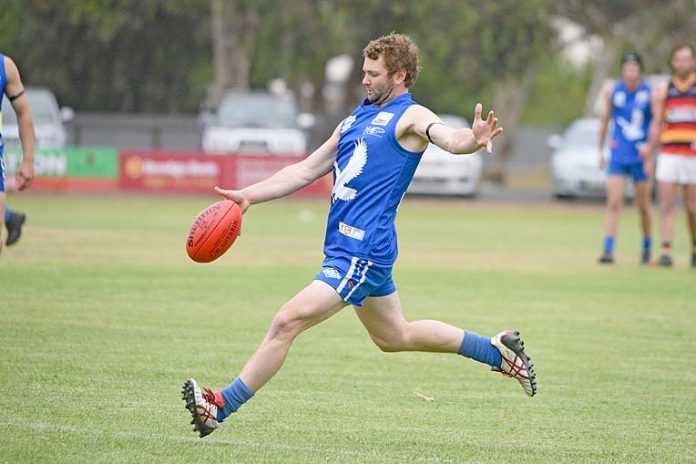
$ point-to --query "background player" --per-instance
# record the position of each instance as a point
(676, 163)
(11, 85)
(373, 154)
(629, 107)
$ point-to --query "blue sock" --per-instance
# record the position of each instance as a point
(235, 395)
(647, 243)
(479, 348)
(609, 245)
(7, 214)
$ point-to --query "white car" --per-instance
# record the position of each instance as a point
(256, 122)
(49, 129)
(442, 173)
(575, 170)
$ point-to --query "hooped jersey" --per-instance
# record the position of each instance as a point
(371, 174)
(679, 134)
(631, 114)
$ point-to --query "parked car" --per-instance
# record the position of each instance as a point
(49, 119)
(442, 173)
(575, 170)
(256, 122)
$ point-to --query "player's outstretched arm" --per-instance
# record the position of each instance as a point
(25, 122)
(458, 141)
(289, 179)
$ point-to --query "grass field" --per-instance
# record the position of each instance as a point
(104, 317)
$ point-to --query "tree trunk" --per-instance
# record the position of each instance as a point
(606, 61)
(234, 30)
(509, 100)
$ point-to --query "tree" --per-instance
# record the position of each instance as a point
(651, 27)
(123, 55)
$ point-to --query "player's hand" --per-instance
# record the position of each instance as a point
(648, 167)
(25, 175)
(238, 196)
(485, 131)
(602, 161)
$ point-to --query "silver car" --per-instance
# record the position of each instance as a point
(255, 122)
(49, 129)
(442, 173)
(575, 170)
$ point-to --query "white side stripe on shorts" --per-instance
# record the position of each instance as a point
(362, 279)
(349, 274)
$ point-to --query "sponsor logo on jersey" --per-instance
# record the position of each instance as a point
(350, 231)
(347, 123)
(382, 118)
(331, 273)
(372, 130)
(619, 99)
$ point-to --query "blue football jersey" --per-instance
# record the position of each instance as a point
(631, 115)
(3, 83)
(371, 174)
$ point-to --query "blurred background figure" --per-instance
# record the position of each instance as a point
(628, 106)
(676, 164)
(11, 85)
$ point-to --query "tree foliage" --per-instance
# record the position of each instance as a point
(112, 54)
(158, 55)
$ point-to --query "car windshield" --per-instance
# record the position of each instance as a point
(44, 108)
(257, 110)
(582, 134)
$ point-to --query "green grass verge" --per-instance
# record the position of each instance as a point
(104, 317)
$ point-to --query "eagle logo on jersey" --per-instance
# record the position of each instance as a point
(633, 129)
(352, 170)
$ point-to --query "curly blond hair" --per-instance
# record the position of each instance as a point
(399, 52)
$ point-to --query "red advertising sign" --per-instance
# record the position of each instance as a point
(249, 169)
(194, 172)
(165, 172)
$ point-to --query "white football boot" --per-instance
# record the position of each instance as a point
(203, 405)
(516, 363)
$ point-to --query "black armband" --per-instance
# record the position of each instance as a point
(14, 97)
(427, 130)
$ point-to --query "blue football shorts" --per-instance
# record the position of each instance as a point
(356, 279)
(632, 169)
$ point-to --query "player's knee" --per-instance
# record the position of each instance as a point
(285, 324)
(614, 205)
(390, 344)
(666, 207)
(386, 346)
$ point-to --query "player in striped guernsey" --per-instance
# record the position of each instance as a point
(676, 163)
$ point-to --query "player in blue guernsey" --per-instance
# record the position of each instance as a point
(373, 154)
(629, 105)
(11, 85)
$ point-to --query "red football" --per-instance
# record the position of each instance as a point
(213, 231)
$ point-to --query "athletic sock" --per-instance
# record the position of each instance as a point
(479, 348)
(7, 215)
(667, 247)
(235, 395)
(647, 243)
(609, 245)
